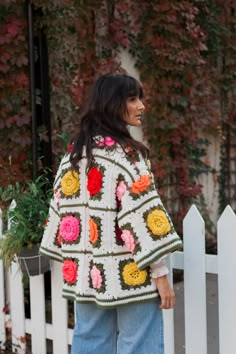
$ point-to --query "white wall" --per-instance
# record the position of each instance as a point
(127, 62)
(209, 182)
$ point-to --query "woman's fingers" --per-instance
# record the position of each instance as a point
(168, 302)
(166, 293)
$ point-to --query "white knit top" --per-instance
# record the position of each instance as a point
(107, 227)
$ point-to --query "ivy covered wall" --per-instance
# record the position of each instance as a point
(183, 50)
(15, 131)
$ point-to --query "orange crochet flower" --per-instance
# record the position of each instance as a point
(93, 231)
(58, 238)
(141, 184)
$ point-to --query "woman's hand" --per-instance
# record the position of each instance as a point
(166, 292)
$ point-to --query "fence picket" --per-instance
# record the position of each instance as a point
(226, 280)
(59, 312)
(17, 309)
(2, 304)
(2, 296)
(38, 322)
(195, 283)
(17, 303)
(168, 317)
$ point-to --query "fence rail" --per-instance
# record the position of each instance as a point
(192, 260)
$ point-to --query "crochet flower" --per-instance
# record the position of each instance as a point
(70, 147)
(118, 204)
(128, 239)
(158, 223)
(45, 222)
(120, 190)
(132, 275)
(69, 271)
(106, 142)
(93, 231)
(118, 232)
(141, 184)
(70, 183)
(69, 228)
(57, 193)
(94, 181)
(58, 237)
(96, 277)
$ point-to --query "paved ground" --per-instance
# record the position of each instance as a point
(212, 316)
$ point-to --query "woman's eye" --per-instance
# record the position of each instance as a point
(132, 99)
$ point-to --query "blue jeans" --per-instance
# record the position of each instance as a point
(129, 329)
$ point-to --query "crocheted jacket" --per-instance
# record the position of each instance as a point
(107, 227)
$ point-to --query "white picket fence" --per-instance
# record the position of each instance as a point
(193, 260)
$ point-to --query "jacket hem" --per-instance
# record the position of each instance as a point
(113, 303)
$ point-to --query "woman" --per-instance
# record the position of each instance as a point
(109, 228)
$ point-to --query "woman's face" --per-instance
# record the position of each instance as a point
(135, 108)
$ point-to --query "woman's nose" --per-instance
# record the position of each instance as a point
(141, 106)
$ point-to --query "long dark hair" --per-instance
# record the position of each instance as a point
(105, 113)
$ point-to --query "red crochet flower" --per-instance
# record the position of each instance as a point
(118, 233)
(69, 271)
(70, 147)
(94, 181)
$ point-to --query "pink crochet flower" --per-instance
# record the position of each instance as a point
(128, 239)
(69, 228)
(120, 190)
(107, 141)
(69, 271)
(96, 277)
(58, 193)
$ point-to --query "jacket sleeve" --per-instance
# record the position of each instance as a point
(147, 229)
(51, 243)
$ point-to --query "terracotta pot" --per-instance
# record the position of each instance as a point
(33, 263)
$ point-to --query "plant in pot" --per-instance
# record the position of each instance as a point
(26, 221)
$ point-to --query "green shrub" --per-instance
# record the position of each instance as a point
(26, 220)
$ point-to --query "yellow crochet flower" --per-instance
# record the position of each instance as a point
(133, 275)
(158, 223)
(70, 183)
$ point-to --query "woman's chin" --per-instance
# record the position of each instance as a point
(137, 123)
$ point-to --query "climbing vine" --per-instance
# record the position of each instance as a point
(184, 52)
(79, 51)
(15, 133)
